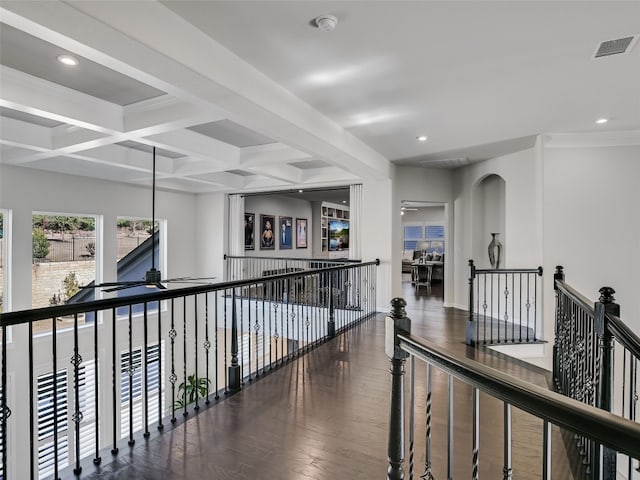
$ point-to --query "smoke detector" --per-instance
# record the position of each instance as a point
(326, 23)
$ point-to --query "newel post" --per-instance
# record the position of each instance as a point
(396, 323)
(331, 323)
(605, 305)
(471, 340)
(234, 368)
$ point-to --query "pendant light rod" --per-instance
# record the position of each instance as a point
(153, 214)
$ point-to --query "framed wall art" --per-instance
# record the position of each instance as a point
(301, 233)
(267, 235)
(285, 233)
(249, 229)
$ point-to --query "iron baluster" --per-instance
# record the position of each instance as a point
(32, 458)
(450, 427)
(507, 470)
(131, 372)
(114, 382)
(160, 358)
(185, 412)
(96, 399)
(427, 475)
(76, 360)
(54, 348)
(207, 343)
(195, 351)
(217, 396)
(145, 370)
(476, 432)
(546, 451)
(412, 397)
(173, 378)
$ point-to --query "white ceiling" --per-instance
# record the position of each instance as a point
(250, 96)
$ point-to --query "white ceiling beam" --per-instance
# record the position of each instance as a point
(117, 155)
(327, 175)
(162, 114)
(286, 173)
(258, 182)
(124, 40)
(197, 146)
(223, 179)
(70, 138)
(25, 135)
(30, 94)
(273, 153)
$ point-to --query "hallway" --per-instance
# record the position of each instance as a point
(324, 416)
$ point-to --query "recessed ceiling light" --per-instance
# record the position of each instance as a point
(300, 191)
(68, 60)
(602, 121)
(344, 201)
(422, 138)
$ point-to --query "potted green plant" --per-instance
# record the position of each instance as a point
(188, 390)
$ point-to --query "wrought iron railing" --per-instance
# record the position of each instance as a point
(504, 305)
(127, 365)
(605, 429)
(595, 361)
(242, 268)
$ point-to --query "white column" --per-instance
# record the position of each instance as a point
(236, 225)
(355, 218)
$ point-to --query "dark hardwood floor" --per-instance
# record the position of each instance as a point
(324, 417)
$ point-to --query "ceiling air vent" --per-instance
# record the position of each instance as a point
(615, 47)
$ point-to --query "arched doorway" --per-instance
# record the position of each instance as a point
(488, 217)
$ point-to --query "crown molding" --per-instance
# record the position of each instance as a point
(592, 139)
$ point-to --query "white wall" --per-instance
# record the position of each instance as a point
(423, 185)
(25, 190)
(211, 234)
(377, 236)
(424, 215)
(592, 224)
(281, 207)
(523, 214)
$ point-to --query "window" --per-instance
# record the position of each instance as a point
(47, 418)
(413, 235)
(66, 434)
(248, 351)
(134, 385)
(429, 237)
(63, 260)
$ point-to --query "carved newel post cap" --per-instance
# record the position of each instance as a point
(606, 295)
(559, 268)
(397, 307)
(471, 263)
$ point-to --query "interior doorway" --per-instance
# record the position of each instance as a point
(424, 253)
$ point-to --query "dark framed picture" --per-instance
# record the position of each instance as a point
(267, 235)
(285, 233)
(249, 229)
(301, 233)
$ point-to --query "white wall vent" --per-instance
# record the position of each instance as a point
(615, 47)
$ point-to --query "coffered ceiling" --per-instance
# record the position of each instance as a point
(250, 96)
